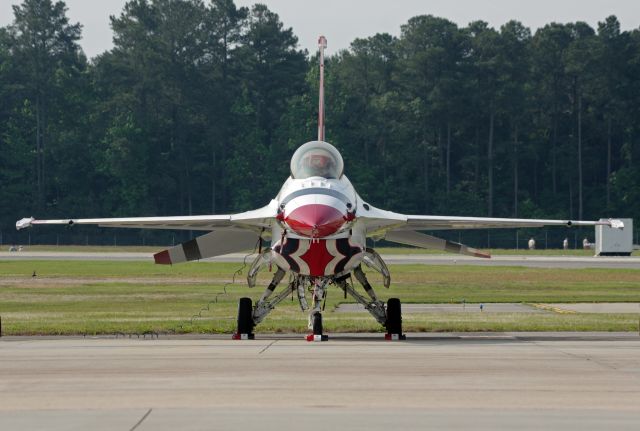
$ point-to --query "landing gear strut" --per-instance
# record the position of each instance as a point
(373, 305)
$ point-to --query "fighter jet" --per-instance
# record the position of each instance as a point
(317, 228)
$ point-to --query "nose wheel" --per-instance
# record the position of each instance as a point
(316, 323)
(315, 316)
(316, 326)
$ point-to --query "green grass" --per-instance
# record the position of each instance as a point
(94, 297)
(113, 269)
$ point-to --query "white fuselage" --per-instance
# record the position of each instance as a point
(318, 232)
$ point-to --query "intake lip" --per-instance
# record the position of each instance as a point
(315, 220)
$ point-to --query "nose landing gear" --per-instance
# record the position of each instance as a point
(316, 326)
(315, 317)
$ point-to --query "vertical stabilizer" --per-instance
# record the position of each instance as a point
(322, 44)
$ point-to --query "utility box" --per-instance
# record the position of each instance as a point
(614, 242)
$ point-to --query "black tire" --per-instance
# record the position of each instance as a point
(317, 324)
(245, 316)
(394, 316)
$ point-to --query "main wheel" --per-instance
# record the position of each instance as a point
(245, 316)
(317, 324)
(394, 316)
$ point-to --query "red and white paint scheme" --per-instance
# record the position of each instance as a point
(318, 228)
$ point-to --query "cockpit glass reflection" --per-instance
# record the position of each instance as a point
(317, 159)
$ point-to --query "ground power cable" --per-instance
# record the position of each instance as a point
(204, 308)
(207, 306)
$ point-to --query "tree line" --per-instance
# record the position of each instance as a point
(198, 107)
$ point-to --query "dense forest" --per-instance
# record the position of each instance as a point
(199, 105)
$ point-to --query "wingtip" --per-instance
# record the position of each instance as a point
(616, 223)
(24, 223)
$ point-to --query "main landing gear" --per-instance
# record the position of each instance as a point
(245, 320)
(389, 316)
(394, 321)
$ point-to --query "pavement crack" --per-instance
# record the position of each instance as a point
(266, 347)
(581, 356)
(141, 420)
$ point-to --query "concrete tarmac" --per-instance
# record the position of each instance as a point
(525, 381)
(534, 261)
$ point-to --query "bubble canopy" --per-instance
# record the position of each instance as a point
(316, 159)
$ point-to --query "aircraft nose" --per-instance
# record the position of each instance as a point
(315, 220)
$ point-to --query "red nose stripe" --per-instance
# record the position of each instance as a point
(315, 220)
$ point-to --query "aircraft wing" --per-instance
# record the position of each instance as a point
(257, 220)
(378, 222)
(447, 222)
(403, 229)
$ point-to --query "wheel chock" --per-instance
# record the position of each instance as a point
(317, 337)
(237, 336)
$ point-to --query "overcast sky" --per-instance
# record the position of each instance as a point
(341, 21)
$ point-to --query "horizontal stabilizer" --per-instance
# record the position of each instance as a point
(417, 239)
(215, 243)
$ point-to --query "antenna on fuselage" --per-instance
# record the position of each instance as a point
(322, 44)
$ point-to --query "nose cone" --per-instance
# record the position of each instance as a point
(315, 220)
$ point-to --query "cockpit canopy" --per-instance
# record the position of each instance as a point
(316, 159)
